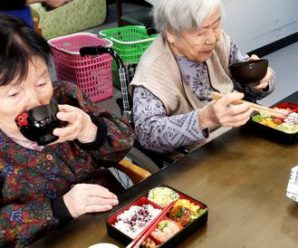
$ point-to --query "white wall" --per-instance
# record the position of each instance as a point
(255, 23)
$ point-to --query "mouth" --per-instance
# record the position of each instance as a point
(207, 51)
(205, 54)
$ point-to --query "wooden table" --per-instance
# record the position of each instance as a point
(240, 176)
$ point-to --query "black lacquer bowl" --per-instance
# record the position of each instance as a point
(249, 71)
(37, 124)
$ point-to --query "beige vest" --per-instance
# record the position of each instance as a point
(158, 71)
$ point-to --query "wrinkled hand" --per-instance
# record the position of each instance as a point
(89, 198)
(224, 113)
(79, 125)
(264, 81)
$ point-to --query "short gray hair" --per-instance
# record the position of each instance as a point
(177, 15)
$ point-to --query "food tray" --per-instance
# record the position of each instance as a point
(273, 133)
(167, 215)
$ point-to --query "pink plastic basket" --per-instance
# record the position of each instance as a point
(93, 74)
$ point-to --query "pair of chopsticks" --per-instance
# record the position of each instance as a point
(140, 238)
(257, 107)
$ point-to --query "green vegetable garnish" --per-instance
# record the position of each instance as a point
(162, 225)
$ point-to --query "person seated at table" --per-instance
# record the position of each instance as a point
(177, 73)
(44, 186)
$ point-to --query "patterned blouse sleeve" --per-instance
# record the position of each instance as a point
(159, 132)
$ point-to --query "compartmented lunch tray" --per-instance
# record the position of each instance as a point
(178, 216)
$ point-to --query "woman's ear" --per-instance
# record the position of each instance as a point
(171, 37)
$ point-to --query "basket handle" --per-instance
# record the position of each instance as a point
(94, 50)
(98, 50)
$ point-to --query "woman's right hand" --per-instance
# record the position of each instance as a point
(89, 198)
(223, 112)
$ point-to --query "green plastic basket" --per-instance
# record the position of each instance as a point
(129, 42)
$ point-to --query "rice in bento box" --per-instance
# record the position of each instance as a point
(134, 220)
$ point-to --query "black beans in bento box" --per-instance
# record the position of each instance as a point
(178, 216)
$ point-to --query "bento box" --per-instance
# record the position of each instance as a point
(162, 217)
(283, 130)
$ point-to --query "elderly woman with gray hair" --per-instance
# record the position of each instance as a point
(173, 81)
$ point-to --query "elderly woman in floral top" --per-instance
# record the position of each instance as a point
(43, 186)
(171, 101)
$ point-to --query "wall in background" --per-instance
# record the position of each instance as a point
(254, 23)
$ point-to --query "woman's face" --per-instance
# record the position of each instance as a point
(19, 96)
(197, 44)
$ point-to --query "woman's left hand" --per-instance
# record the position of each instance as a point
(79, 125)
(264, 82)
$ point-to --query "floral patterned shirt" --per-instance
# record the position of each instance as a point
(31, 180)
(158, 132)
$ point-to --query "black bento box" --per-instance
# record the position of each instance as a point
(184, 232)
(273, 133)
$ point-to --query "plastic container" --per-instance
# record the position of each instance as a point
(185, 231)
(93, 74)
(273, 133)
(129, 42)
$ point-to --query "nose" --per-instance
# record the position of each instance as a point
(211, 37)
(32, 100)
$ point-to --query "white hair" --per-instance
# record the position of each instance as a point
(177, 15)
